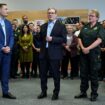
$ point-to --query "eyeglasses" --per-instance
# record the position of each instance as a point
(51, 12)
(91, 16)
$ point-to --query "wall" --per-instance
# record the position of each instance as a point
(41, 14)
(18, 5)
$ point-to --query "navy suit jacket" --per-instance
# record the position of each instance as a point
(55, 48)
(9, 35)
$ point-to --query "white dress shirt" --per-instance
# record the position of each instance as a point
(49, 29)
(69, 40)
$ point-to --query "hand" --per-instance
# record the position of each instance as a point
(6, 49)
(85, 50)
(25, 48)
(63, 44)
(67, 48)
(102, 49)
(49, 38)
(38, 49)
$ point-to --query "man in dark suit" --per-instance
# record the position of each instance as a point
(52, 36)
(6, 43)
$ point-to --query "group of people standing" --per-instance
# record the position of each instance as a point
(54, 38)
(26, 49)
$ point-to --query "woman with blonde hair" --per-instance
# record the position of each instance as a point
(90, 37)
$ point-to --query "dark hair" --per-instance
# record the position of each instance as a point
(82, 22)
(14, 20)
(24, 16)
(103, 21)
(39, 25)
(22, 31)
(31, 23)
(2, 4)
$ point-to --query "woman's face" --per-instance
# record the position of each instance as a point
(38, 29)
(25, 28)
(69, 29)
(31, 26)
(92, 17)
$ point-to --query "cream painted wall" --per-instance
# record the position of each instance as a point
(59, 4)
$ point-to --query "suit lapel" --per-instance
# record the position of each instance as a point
(54, 28)
(46, 29)
(6, 27)
(1, 29)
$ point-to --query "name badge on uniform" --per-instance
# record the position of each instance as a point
(95, 28)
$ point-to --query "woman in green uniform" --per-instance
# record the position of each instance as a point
(90, 37)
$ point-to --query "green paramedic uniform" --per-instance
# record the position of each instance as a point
(90, 63)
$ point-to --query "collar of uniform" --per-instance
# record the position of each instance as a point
(97, 23)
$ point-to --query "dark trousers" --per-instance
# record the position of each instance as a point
(89, 67)
(25, 65)
(102, 70)
(5, 60)
(74, 65)
(14, 64)
(55, 69)
(35, 63)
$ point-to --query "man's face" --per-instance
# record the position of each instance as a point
(25, 19)
(4, 11)
(15, 22)
(51, 14)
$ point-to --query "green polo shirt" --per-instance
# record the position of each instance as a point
(90, 34)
